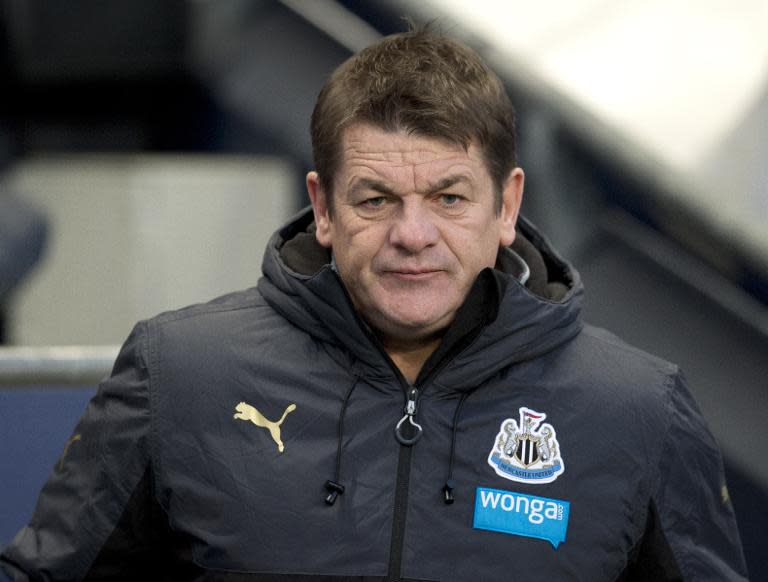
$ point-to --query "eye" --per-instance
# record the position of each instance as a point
(450, 199)
(374, 207)
(452, 203)
(376, 202)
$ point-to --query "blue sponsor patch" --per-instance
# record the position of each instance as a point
(521, 515)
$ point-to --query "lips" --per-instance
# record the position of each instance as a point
(413, 274)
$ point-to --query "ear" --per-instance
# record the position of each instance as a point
(319, 200)
(512, 198)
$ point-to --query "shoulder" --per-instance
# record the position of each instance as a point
(619, 378)
(227, 315)
(612, 350)
(610, 361)
(213, 330)
(221, 308)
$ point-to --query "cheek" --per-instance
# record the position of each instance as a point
(475, 248)
(491, 236)
(356, 251)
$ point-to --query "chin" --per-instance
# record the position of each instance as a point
(417, 325)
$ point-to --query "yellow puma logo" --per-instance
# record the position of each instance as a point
(247, 412)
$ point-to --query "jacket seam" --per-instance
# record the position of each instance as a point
(86, 563)
(202, 310)
(153, 371)
(281, 572)
(655, 481)
(670, 384)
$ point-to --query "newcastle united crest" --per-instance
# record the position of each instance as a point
(528, 452)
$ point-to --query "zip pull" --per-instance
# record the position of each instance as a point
(410, 411)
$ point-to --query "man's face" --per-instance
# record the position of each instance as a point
(413, 224)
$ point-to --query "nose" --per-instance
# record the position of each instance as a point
(413, 228)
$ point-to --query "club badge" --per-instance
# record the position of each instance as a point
(528, 452)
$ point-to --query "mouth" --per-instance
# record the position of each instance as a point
(414, 274)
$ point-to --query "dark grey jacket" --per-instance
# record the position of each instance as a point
(253, 438)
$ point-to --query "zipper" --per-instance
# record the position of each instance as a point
(402, 429)
(412, 394)
(407, 432)
(405, 425)
(397, 540)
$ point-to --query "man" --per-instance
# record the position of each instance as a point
(408, 394)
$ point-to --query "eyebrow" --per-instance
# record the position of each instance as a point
(363, 184)
(448, 182)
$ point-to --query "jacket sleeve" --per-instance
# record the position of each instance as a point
(98, 498)
(691, 531)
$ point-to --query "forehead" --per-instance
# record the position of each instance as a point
(369, 151)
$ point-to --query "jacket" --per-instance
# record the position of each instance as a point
(266, 435)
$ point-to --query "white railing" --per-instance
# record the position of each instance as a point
(55, 365)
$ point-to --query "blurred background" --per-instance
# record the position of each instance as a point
(148, 149)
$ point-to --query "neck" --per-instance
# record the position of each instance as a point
(410, 358)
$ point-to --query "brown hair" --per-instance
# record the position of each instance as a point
(423, 84)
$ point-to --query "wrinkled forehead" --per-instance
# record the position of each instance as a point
(405, 160)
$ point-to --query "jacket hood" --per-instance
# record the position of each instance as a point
(533, 317)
